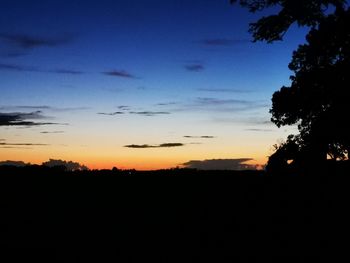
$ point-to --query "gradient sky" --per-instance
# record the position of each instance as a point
(174, 81)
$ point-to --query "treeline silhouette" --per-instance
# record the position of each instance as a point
(175, 215)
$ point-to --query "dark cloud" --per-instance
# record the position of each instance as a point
(194, 67)
(200, 137)
(67, 71)
(41, 108)
(223, 41)
(22, 68)
(225, 90)
(221, 164)
(22, 144)
(119, 73)
(24, 41)
(22, 119)
(49, 132)
(149, 113)
(123, 107)
(111, 113)
(163, 145)
(70, 165)
(167, 145)
(14, 163)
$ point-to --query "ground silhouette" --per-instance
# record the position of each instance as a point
(175, 215)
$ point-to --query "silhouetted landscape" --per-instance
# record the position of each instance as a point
(195, 99)
(172, 215)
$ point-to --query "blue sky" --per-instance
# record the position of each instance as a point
(182, 68)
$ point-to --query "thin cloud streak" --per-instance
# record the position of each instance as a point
(24, 41)
(194, 67)
(22, 68)
(149, 113)
(223, 42)
(111, 113)
(225, 90)
(119, 73)
(51, 132)
(163, 145)
(200, 137)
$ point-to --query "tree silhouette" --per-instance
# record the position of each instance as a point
(317, 99)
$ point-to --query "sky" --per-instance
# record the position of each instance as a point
(138, 84)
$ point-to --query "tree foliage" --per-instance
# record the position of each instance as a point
(318, 98)
(303, 12)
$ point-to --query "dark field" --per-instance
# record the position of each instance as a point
(171, 215)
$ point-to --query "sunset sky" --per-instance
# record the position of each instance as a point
(137, 84)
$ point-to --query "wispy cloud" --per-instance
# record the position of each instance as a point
(259, 130)
(119, 73)
(111, 113)
(4, 143)
(66, 71)
(194, 67)
(23, 68)
(225, 90)
(22, 144)
(123, 107)
(41, 108)
(200, 137)
(22, 119)
(149, 113)
(15, 67)
(166, 103)
(223, 105)
(163, 145)
(221, 164)
(24, 41)
(53, 132)
(223, 42)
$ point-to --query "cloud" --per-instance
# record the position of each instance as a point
(215, 101)
(22, 68)
(194, 67)
(14, 163)
(12, 54)
(22, 144)
(22, 119)
(111, 113)
(225, 90)
(69, 165)
(66, 71)
(259, 130)
(223, 105)
(200, 137)
(15, 67)
(149, 113)
(49, 132)
(119, 73)
(221, 164)
(166, 103)
(24, 41)
(41, 107)
(163, 145)
(223, 42)
(123, 107)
